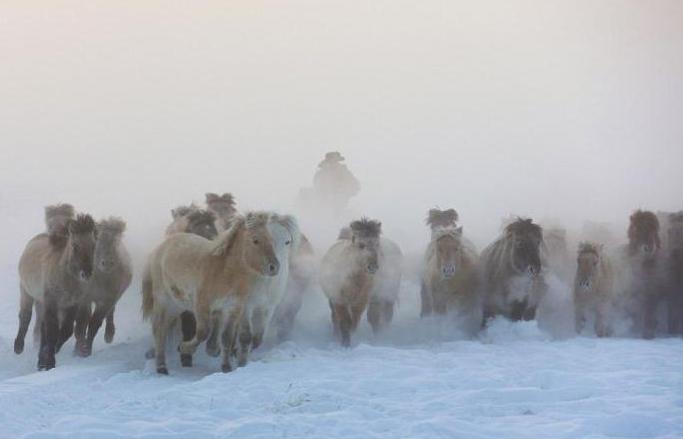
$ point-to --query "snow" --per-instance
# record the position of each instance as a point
(416, 380)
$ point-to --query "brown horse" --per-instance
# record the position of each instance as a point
(55, 275)
(223, 207)
(593, 288)
(190, 273)
(450, 279)
(644, 260)
(512, 279)
(111, 277)
(348, 275)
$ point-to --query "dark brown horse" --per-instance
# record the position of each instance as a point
(644, 260)
(512, 279)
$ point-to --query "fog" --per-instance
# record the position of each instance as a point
(563, 111)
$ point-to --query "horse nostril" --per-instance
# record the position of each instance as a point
(273, 268)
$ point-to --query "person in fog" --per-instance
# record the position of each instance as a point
(333, 183)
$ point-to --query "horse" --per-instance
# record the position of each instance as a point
(223, 207)
(347, 275)
(674, 272)
(643, 255)
(191, 219)
(301, 272)
(54, 274)
(450, 278)
(188, 272)
(593, 288)
(437, 218)
(512, 280)
(111, 277)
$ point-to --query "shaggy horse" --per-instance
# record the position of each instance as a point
(111, 277)
(191, 219)
(450, 278)
(512, 279)
(55, 275)
(644, 260)
(190, 273)
(593, 288)
(223, 207)
(301, 272)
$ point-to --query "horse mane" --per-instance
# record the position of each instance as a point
(366, 227)
(182, 211)
(57, 217)
(453, 232)
(523, 226)
(200, 216)
(643, 220)
(590, 247)
(82, 224)
(214, 198)
(441, 218)
(112, 225)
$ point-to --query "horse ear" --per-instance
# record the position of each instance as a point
(459, 230)
(211, 197)
(227, 240)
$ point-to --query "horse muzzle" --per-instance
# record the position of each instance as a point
(372, 268)
(448, 271)
(272, 268)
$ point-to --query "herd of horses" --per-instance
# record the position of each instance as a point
(223, 278)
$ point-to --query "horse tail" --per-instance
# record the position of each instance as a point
(147, 293)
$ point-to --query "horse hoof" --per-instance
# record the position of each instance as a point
(18, 346)
(150, 354)
(161, 370)
(186, 360)
(109, 335)
(241, 362)
(225, 368)
(46, 365)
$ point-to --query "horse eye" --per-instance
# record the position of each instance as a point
(361, 246)
(255, 241)
(287, 242)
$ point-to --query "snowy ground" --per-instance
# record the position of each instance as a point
(513, 381)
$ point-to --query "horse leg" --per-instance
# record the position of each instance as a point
(110, 329)
(649, 316)
(375, 315)
(37, 323)
(244, 339)
(212, 347)
(335, 320)
(344, 321)
(387, 312)
(49, 334)
(260, 318)
(160, 326)
(579, 318)
(425, 301)
(202, 315)
(66, 329)
(229, 339)
(82, 319)
(94, 324)
(25, 313)
(439, 303)
(188, 326)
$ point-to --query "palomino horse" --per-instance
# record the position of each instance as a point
(223, 207)
(512, 281)
(190, 273)
(644, 260)
(353, 278)
(111, 277)
(55, 274)
(301, 272)
(593, 288)
(450, 278)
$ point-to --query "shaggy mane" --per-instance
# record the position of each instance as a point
(82, 224)
(215, 198)
(182, 211)
(523, 225)
(366, 227)
(112, 225)
(453, 232)
(441, 218)
(199, 216)
(590, 247)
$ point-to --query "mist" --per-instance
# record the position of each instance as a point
(563, 111)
